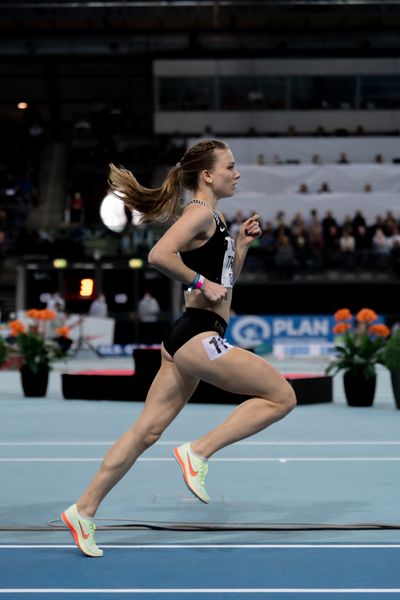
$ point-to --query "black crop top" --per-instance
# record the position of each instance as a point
(214, 259)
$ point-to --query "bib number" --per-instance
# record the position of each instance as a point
(215, 346)
(227, 267)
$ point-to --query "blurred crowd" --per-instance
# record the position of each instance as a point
(305, 243)
(313, 243)
(20, 151)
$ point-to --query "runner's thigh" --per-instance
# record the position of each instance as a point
(170, 391)
(231, 368)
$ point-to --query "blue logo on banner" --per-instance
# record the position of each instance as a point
(250, 331)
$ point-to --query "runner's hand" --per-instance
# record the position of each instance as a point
(250, 230)
(214, 291)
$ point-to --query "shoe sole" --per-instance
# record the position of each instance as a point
(185, 478)
(75, 535)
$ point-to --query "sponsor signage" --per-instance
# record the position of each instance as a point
(285, 336)
(308, 335)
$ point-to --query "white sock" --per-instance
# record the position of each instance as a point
(197, 455)
(85, 517)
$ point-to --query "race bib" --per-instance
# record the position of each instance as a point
(216, 346)
(227, 265)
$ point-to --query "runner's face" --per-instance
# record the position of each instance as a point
(224, 175)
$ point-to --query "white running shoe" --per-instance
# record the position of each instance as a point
(194, 470)
(82, 530)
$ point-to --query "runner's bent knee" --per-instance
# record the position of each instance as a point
(146, 434)
(151, 437)
(285, 398)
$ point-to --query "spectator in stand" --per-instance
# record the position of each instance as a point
(389, 224)
(303, 189)
(316, 159)
(260, 160)
(343, 159)
(324, 188)
(363, 245)
(359, 131)
(314, 217)
(347, 223)
(380, 249)
(76, 207)
(394, 238)
(327, 222)
(315, 239)
(368, 188)
(358, 220)
(280, 218)
(282, 229)
(379, 159)
(379, 224)
(300, 244)
(321, 132)
(347, 247)
(331, 247)
(298, 221)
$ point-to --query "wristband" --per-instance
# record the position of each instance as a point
(197, 282)
(200, 282)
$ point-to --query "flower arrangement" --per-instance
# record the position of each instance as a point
(29, 346)
(391, 352)
(361, 343)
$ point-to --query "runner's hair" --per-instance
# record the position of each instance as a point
(163, 203)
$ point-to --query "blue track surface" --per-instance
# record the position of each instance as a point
(168, 571)
(325, 463)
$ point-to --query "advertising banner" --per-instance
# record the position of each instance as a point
(284, 335)
(300, 335)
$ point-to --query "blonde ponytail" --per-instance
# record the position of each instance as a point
(163, 203)
(159, 204)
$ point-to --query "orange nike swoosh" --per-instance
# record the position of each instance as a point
(85, 535)
(192, 471)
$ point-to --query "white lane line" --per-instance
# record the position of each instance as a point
(282, 459)
(179, 442)
(314, 546)
(200, 591)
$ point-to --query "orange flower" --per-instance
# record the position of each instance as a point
(341, 328)
(16, 327)
(63, 331)
(50, 314)
(46, 314)
(33, 313)
(343, 314)
(367, 315)
(380, 330)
